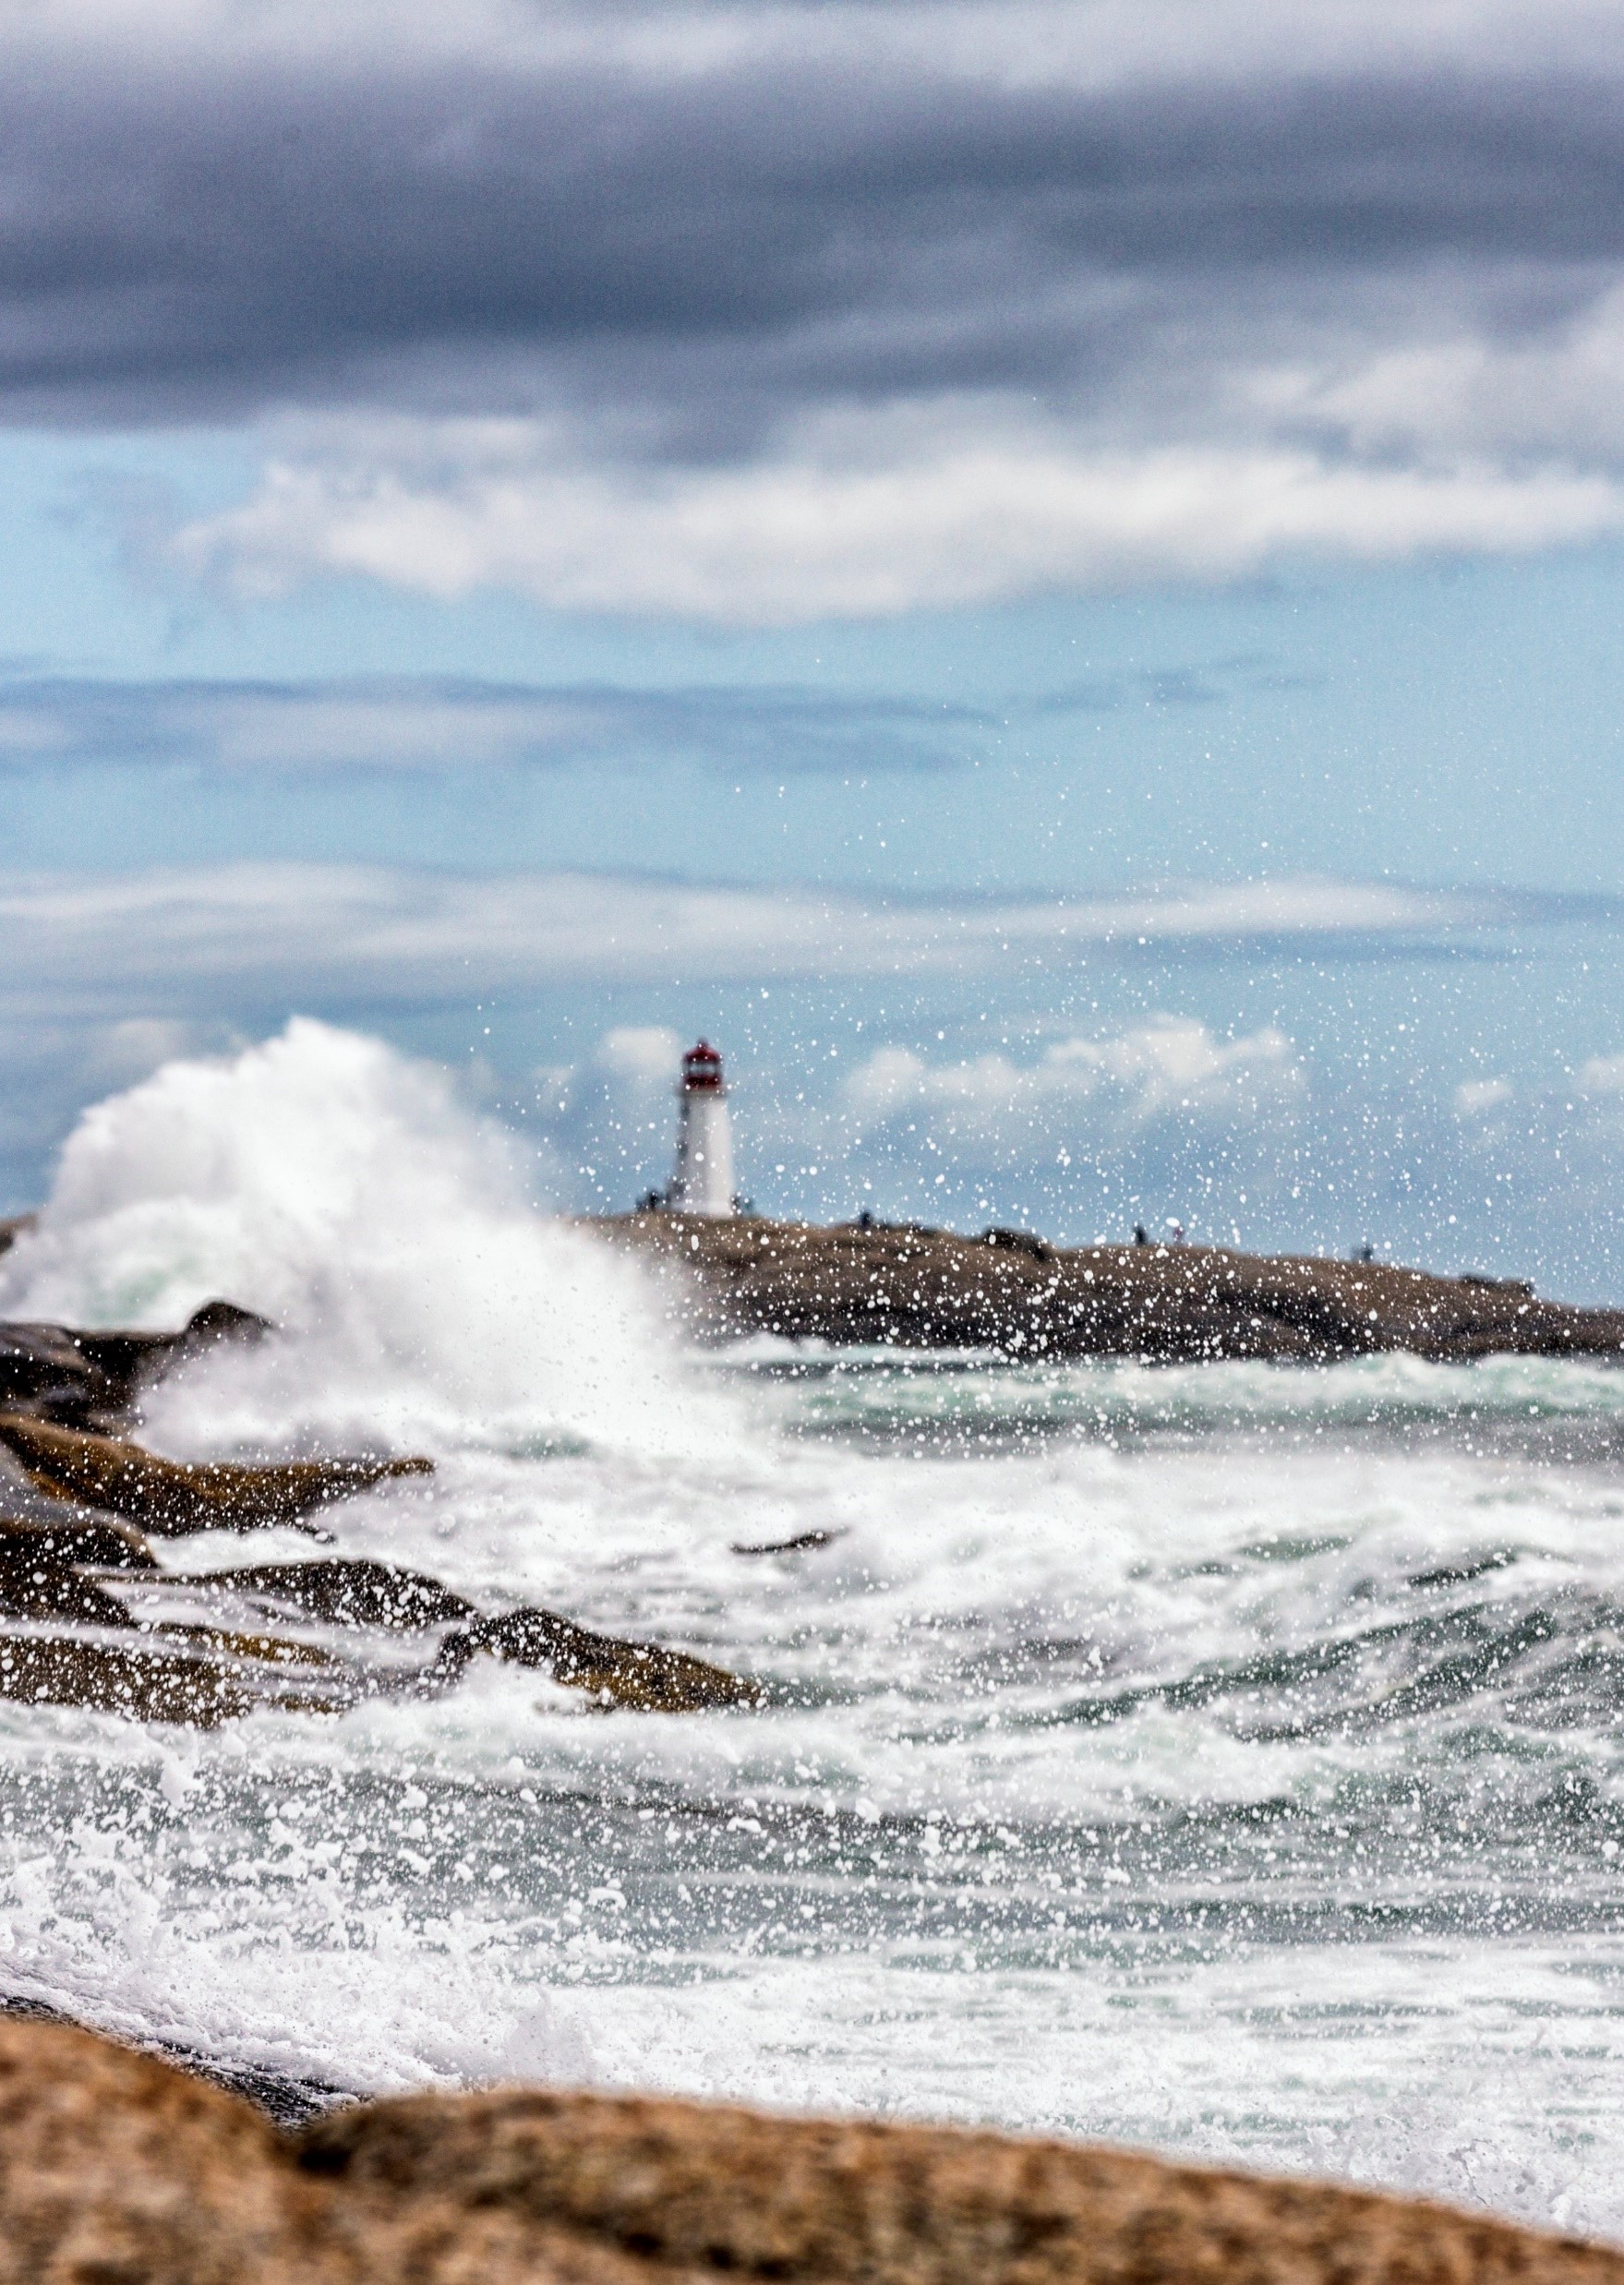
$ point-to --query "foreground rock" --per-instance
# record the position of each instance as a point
(173, 1496)
(116, 2166)
(928, 1289)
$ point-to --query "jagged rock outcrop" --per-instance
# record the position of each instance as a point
(116, 2165)
(350, 1590)
(91, 1379)
(211, 1667)
(928, 1289)
(71, 1496)
(622, 1674)
(170, 1496)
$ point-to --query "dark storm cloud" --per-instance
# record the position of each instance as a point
(207, 238)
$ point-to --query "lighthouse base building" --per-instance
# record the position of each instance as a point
(703, 1182)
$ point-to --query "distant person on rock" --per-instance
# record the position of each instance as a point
(1175, 1231)
(1141, 1235)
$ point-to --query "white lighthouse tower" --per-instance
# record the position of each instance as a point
(703, 1182)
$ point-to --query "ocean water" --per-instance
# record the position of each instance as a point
(1223, 1760)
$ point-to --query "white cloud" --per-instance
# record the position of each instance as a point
(248, 933)
(1085, 44)
(1167, 1107)
(1172, 1068)
(1569, 1126)
(860, 518)
(405, 722)
(407, 731)
(1474, 1098)
(1603, 1075)
(642, 1054)
(1550, 394)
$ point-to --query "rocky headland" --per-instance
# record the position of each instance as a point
(904, 1286)
(115, 2164)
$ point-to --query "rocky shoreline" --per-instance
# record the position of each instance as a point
(92, 1615)
(115, 2164)
(907, 1287)
(171, 2169)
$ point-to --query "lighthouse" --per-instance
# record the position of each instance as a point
(703, 1182)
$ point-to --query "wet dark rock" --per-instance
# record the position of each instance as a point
(168, 1497)
(91, 1379)
(200, 1671)
(1020, 1242)
(149, 1682)
(39, 1580)
(917, 1289)
(624, 1673)
(44, 1367)
(348, 1590)
(219, 1321)
(70, 1493)
(800, 1545)
(103, 1542)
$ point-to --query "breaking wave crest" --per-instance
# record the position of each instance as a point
(343, 1192)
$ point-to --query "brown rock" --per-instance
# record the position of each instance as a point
(641, 1674)
(117, 2169)
(90, 1380)
(914, 1288)
(349, 1589)
(691, 2190)
(223, 1676)
(170, 1495)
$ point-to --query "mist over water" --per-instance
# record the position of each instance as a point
(1221, 1759)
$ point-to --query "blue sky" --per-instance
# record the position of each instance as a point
(1053, 576)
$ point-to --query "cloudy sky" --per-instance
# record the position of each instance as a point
(1053, 573)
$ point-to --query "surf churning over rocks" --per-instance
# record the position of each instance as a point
(343, 1192)
(1224, 1758)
